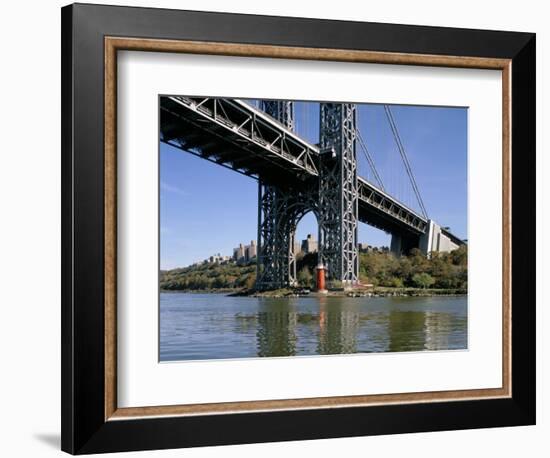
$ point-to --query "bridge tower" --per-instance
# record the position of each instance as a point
(281, 110)
(338, 192)
(333, 197)
(276, 266)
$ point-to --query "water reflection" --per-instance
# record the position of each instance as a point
(277, 330)
(213, 327)
(436, 330)
(338, 328)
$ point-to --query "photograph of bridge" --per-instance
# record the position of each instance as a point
(356, 216)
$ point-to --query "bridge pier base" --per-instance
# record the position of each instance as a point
(434, 239)
(395, 246)
(439, 239)
(401, 244)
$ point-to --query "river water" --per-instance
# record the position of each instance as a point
(215, 326)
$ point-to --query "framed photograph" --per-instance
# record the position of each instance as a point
(284, 228)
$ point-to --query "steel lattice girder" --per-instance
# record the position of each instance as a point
(338, 192)
(272, 249)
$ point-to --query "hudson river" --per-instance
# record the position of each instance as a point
(214, 326)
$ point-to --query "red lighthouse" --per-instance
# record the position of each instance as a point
(321, 278)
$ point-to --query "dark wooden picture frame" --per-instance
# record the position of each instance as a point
(91, 37)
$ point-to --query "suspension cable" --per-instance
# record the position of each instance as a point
(370, 160)
(405, 159)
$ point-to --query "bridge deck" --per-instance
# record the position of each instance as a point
(384, 212)
(234, 134)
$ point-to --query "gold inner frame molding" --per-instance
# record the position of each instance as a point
(114, 44)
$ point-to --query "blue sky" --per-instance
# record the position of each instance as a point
(207, 209)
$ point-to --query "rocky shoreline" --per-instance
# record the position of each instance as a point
(383, 292)
(372, 292)
(298, 292)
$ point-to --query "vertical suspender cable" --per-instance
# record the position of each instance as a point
(403, 154)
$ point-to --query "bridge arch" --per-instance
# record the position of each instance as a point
(294, 217)
(280, 212)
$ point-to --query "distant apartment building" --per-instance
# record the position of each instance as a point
(250, 251)
(309, 244)
(364, 248)
(238, 253)
(217, 259)
(245, 253)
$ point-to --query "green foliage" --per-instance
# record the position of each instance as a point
(423, 280)
(250, 281)
(209, 276)
(305, 278)
(396, 282)
(204, 277)
(439, 270)
(335, 284)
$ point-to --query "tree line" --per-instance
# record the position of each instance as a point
(209, 277)
(415, 270)
(439, 270)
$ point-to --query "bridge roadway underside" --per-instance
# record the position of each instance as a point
(236, 144)
(410, 238)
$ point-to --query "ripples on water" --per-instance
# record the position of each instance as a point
(212, 326)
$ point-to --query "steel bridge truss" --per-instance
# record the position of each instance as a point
(252, 143)
(373, 202)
